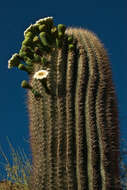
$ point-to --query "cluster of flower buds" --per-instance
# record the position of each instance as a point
(39, 38)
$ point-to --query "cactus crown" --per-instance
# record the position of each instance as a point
(40, 39)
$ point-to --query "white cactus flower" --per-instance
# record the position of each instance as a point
(40, 74)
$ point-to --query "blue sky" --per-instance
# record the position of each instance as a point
(108, 21)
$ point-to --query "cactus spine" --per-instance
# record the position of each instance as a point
(74, 126)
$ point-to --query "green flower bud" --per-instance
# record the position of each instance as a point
(22, 53)
(25, 84)
(58, 43)
(70, 46)
(26, 51)
(28, 61)
(54, 32)
(29, 35)
(60, 34)
(37, 58)
(27, 41)
(43, 38)
(14, 61)
(42, 27)
(70, 39)
(26, 68)
(43, 60)
(61, 28)
(21, 67)
(36, 39)
(33, 29)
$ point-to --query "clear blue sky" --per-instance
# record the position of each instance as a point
(108, 21)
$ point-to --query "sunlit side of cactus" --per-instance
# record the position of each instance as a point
(74, 126)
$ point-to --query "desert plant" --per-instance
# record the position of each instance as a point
(72, 104)
(18, 173)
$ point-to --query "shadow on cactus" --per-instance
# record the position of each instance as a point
(74, 126)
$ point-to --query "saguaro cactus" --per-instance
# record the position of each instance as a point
(74, 125)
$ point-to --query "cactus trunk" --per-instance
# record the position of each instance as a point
(74, 126)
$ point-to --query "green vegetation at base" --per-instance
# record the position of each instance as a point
(17, 175)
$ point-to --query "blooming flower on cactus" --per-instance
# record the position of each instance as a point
(40, 74)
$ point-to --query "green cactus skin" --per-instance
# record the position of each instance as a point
(74, 125)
